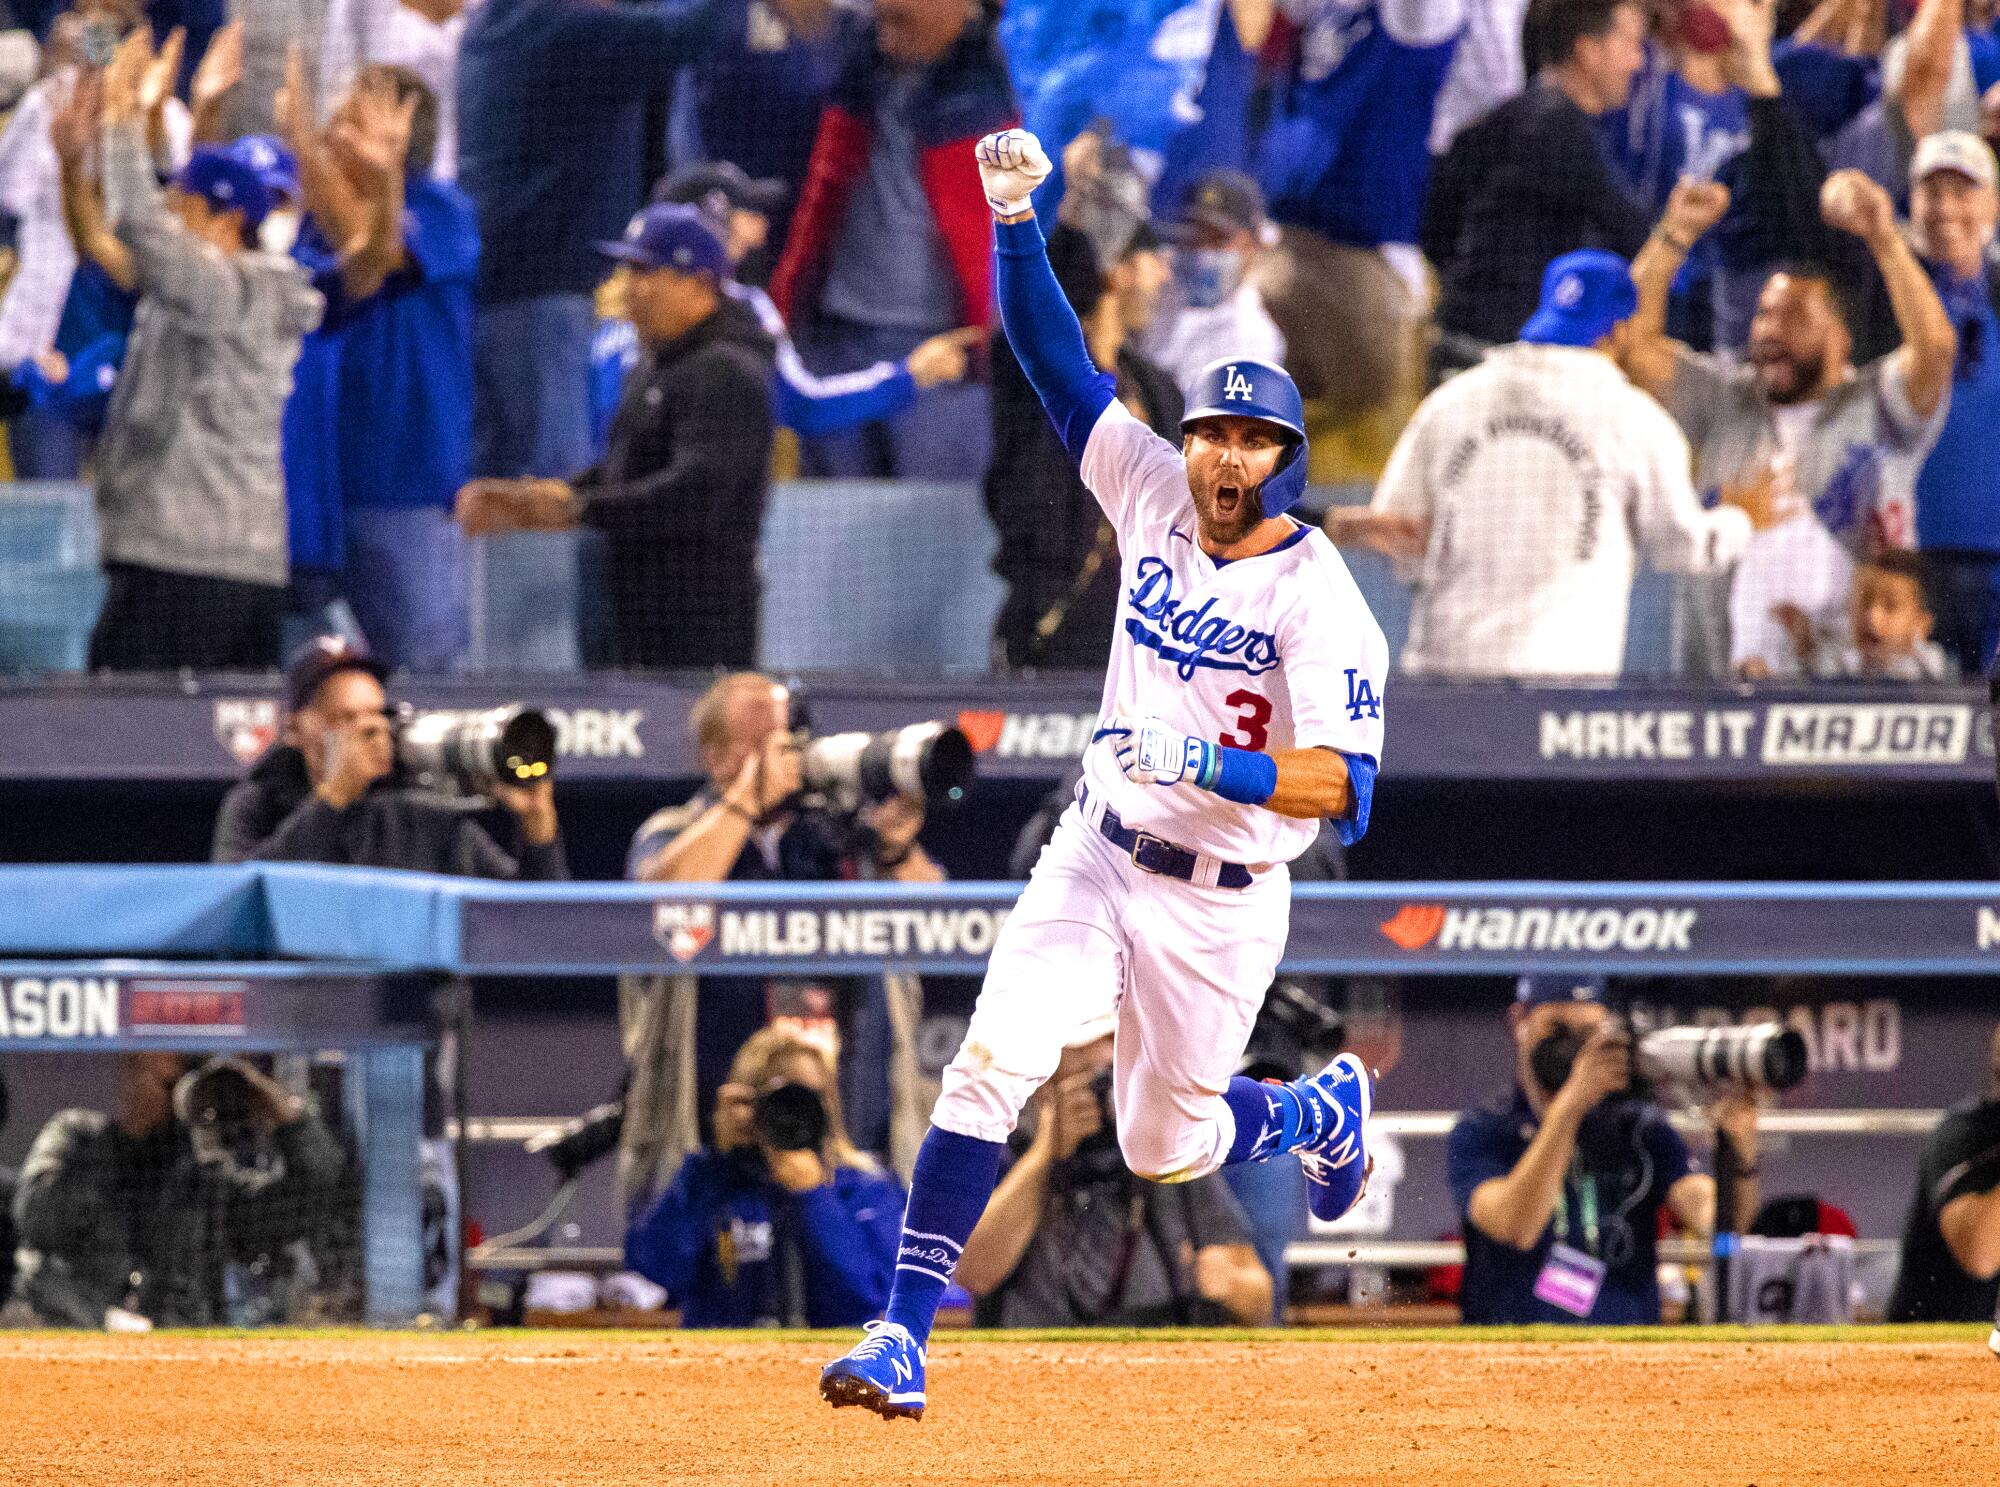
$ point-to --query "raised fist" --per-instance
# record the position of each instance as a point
(1853, 203)
(1695, 206)
(1012, 164)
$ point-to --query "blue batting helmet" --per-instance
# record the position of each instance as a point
(1243, 387)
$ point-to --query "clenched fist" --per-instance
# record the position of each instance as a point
(1853, 203)
(1694, 207)
(1012, 164)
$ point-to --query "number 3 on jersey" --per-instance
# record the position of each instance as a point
(1253, 720)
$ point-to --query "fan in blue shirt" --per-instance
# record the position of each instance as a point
(1953, 206)
(1685, 118)
(1348, 151)
(379, 428)
(779, 1220)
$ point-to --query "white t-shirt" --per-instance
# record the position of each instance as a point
(1542, 472)
(1796, 562)
(1268, 653)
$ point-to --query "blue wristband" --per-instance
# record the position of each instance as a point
(1242, 776)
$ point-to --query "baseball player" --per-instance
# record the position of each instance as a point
(1242, 706)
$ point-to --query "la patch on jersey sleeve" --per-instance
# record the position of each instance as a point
(1336, 660)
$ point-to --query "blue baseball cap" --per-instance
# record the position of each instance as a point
(274, 164)
(1541, 991)
(226, 183)
(671, 236)
(1584, 294)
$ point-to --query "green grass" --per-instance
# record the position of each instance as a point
(1958, 1334)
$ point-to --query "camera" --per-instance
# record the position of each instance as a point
(791, 1117)
(221, 1108)
(1295, 1032)
(930, 762)
(1097, 1159)
(1766, 1056)
(475, 751)
(1699, 1059)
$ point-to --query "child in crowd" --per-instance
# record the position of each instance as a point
(1888, 631)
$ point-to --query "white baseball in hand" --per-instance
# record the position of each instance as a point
(1012, 164)
(1839, 198)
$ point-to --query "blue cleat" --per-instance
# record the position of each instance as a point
(884, 1372)
(1336, 1157)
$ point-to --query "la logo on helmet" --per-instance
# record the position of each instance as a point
(1236, 385)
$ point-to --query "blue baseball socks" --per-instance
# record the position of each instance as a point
(954, 1177)
(1272, 1118)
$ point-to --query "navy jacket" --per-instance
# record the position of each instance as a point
(714, 1238)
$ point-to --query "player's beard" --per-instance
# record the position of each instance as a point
(1228, 513)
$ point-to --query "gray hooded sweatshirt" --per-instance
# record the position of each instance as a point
(189, 476)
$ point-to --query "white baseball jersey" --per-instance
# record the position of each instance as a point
(1267, 653)
(1541, 472)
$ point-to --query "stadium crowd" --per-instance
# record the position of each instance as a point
(416, 313)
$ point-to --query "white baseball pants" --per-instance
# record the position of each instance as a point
(1183, 968)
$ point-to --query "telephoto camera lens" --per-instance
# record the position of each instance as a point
(931, 762)
(512, 745)
(1766, 1056)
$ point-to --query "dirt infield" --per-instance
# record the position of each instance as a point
(590, 1409)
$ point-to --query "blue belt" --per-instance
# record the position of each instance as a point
(1154, 854)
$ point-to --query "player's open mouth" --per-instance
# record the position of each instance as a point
(1228, 500)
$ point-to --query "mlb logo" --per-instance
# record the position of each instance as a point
(684, 930)
(246, 726)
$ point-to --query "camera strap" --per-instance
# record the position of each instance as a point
(1585, 1186)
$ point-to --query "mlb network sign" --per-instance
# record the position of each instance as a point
(687, 931)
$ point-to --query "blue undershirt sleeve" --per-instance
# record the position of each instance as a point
(1361, 786)
(1046, 337)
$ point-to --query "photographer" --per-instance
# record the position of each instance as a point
(751, 822)
(1950, 1269)
(328, 792)
(779, 1221)
(180, 1209)
(1561, 1181)
(746, 822)
(1073, 1239)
